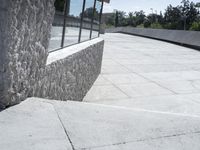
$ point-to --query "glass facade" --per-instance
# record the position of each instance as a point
(75, 21)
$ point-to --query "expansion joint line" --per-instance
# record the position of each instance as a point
(66, 133)
(70, 141)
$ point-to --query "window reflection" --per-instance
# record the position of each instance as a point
(96, 22)
(57, 27)
(73, 17)
(87, 20)
(74, 21)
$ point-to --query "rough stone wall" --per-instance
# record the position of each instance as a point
(70, 78)
(3, 60)
(25, 27)
(24, 37)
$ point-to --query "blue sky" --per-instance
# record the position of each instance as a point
(136, 5)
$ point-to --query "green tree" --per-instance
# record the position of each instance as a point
(195, 26)
(140, 17)
(120, 19)
(59, 5)
(131, 20)
(173, 18)
(189, 11)
(111, 20)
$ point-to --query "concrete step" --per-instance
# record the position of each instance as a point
(39, 124)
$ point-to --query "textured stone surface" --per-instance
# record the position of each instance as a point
(71, 77)
(183, 37)
(24, 37)
(25, 27)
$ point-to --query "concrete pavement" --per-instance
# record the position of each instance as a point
(148, 74)
(147, 98)
(39, 124)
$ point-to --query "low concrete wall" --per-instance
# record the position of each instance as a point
(25, 70)
(70, 72)
(191, 38)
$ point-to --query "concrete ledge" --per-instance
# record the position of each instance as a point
(66, 52)
(70, 72)
(189, 38)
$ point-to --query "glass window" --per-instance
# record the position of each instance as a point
(87, 20)
(73, 19)
(57, 28)
(96, 22)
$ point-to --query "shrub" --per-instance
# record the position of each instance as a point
(173, 26)
(140, 26)
(156, 26)
(147, 23)
(195, 26)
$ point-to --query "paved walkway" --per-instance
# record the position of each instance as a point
(148, 74)
(147, 98)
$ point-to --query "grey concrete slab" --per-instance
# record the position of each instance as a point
(178, 75)
(92, 126)
(109, 62)
(142, 67)
(156, 68)
(194, 97)
(125, 78)
(161, 143)
(182, 104)
(101, 80)
(142, 90)
(104, 91)
(32, 125)
(114, 69)
(182, 87)
(40, 124)
(161, 78)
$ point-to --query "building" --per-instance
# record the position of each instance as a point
(41, 60)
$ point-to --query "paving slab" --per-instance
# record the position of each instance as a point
(182, 87)
(125, 78)
(143, 69)
(147, 97)
(92, 126)
(32, 125)
(160, 78)
(41, 124)
(144, 89)
(182, 104)
(105, 91)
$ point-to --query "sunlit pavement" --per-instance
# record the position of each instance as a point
(146, 98)
(148, 74)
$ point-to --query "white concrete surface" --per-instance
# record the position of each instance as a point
(67, 51)
(155, 76)
(39, 124)
(152, 75)
(147, 98)
(32, 125)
